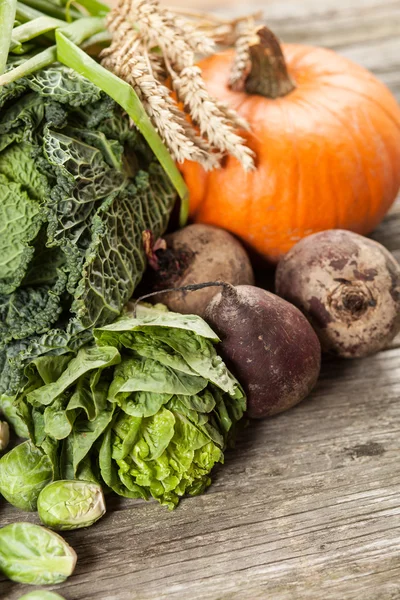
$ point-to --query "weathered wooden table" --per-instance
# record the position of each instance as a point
(308, 505)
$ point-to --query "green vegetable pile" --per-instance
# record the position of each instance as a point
(145, 411)
(78, 185)
(143, 406)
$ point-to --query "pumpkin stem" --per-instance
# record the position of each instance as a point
(268, 75)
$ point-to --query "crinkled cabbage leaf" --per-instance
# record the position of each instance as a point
(78, 186)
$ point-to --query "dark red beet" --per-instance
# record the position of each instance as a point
(268, 344)
(347, 286)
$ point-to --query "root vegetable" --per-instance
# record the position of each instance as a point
(268, 344)
(348, 287)
(197, 254)
(4, 435)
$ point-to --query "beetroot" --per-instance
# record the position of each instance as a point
(196, 254)
(268, 344)
(348, 287)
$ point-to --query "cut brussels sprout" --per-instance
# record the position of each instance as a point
(24, 472)
(4, 435)
(35, 555)
(41, 595)
(71, 504)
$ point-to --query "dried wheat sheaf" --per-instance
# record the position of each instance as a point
(150, 45)
(241, 63)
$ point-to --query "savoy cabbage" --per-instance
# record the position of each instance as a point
(78, 186)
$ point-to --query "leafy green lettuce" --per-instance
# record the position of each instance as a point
(146, 411)
(78, 187)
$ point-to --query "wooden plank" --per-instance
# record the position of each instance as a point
(307, 506)
(388, 233)
(307, 501)
(364, 31)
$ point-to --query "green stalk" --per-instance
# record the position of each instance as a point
(96, 43)
(26, 13)
(39, 61)
(84, 28)
(7, 15)
(77, 32)
(20, 49)
(15, 47)
(34, 28)
(94, 7)
(52, 10)
(72, 56)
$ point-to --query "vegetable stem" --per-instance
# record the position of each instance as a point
(39, 61)
(96, 43)
(94, 7)
(18, 48)
(26, 13)
(51, 9)
(7, 15)
(268, 75)
(72, 56)
(83, 29)
(76, 32)
(34, 28)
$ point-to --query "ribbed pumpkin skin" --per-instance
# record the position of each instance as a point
(327, 155)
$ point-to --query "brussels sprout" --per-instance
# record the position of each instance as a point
(35, 555)
(4, 435)
(24, 471)
(41, 595)
(70, 504)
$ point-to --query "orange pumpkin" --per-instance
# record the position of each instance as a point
(327, 149)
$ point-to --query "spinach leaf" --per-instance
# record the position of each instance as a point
(86, 433)
(147, 375)
(141, 404)
(9, 410)
(87, 359)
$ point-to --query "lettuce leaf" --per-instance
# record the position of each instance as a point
(187, 338)
(88, 359)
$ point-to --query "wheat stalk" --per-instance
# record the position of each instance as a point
(224, 32)
(150, 42)
(205, 112)
(241, 64)
(124, 60)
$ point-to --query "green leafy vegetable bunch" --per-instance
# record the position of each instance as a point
(146, 411)
(79, 184)
(78, 188)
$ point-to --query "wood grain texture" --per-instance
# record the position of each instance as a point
(307, 507)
